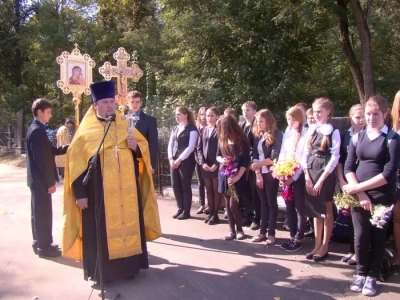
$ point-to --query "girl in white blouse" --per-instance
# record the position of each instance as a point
(293, 144)
(320, 157)
(182, 161)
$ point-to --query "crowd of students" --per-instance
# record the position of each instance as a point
(364, 160)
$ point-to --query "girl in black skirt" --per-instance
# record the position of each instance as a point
(356, 115)
(181, 146)
(207, 155)
(267, 144)
(320, 158)
(396, 209)
(233, 148)
(370, 169)
(201, 124)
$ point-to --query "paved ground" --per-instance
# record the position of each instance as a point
(190, 261)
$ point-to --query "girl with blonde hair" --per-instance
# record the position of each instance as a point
(266, 148)
(293, 144)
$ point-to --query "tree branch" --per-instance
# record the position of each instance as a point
(366, 52)
(348, 49)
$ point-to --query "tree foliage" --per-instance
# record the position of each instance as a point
(221, 52)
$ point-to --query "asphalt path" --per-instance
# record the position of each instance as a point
(190, 261)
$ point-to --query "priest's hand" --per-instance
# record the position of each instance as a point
(132, 143)
(82, 203)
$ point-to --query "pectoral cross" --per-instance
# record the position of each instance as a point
(133, 119)
(122, 72)
(116, 150)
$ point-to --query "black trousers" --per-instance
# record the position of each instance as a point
(369, 243)
(201, 185)
(61, 171)
(269, 204)
(296, 209)
(251, 199)
(41, 218)
(182, 184)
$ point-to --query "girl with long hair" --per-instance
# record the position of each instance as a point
(201, 124)
(357, 119)
(233, 149)
(396, 209)
(371, 169)
(181, 146)
(320, 158)
(266, 148)
(294, 140)
(207, 155)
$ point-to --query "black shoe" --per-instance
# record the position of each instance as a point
(255, 226)
(246, 222)
(179, 212)
(293, 246)
(309, 233)
(107, 283)
(207, 219)
(213, 220)
(286, 244)
(183, 216)
(49, 252)
(345, 259)
(55, 246)
(352, 262)
(309, 256)
(318, 258)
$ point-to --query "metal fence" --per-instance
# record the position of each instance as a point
(6, 141)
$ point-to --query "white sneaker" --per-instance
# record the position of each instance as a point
(369, 288)
(358, 285)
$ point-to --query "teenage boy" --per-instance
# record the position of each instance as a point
(250, 200)
(42, 176)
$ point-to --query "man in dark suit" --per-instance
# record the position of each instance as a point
(146, 125)
(42, 176)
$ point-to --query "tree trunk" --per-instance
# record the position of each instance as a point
(20, 132)
(366, 51)
(348, 49)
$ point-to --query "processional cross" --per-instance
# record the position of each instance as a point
(122, 72)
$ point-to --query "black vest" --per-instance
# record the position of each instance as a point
(181, 140)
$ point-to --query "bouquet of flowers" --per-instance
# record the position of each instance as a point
(283, 170)
(230, 171)
(345, 201)
(381, 215)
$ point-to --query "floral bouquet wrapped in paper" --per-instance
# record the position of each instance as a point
(230, 171)
(345, 201)
(283, 170)
(381, 215)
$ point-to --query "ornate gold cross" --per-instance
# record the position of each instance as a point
(122, 72)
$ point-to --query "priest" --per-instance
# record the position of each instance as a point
(128, 208)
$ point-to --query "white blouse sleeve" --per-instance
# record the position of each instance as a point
(171, 145)
(282, 153)
(335, 152)
(190, 148)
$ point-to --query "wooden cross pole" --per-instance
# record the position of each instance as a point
(122, 72)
